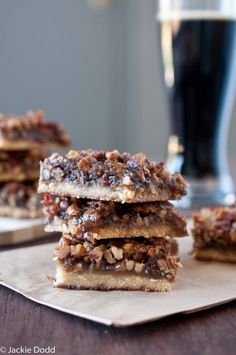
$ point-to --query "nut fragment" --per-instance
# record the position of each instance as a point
(97, 253)
(128, 248)
(139, 221)
(234, 225)
(114, 155)
(73, 154)
(117, 252)
(127, 181)
(54, 156)
(77, 250)
(65, 240)
(129, 264)
(46, 174)
(84, 164)
(79, 267)
(139, 267)
(233, 235)
(146, 221)
(70, 210)
(63, 251)
(109, 258)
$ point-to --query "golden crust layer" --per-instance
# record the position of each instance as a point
(155, 231)
(19, 212)
(215, 254)
(106, 281)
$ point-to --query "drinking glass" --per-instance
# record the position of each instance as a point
(198, 50)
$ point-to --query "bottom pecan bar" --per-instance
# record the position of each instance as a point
(214, 234)
(19, 200)
(132, 264)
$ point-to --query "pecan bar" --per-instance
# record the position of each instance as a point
(20, 200)
(103, 219)
(20, 165)
(31, 131)
(109, 176)
(214, 234)
(136, 264)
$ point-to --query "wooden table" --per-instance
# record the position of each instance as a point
(25, 323)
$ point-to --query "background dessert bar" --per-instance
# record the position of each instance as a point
(31, 131)
(214, 234)
(23, 140)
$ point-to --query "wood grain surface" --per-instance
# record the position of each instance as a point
(25, 323)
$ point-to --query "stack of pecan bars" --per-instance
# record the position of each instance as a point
(22, 144)
(116, 222)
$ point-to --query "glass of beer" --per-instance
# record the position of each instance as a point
(198, 49)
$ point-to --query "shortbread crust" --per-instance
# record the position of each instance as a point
(215, 254)
(108, 281)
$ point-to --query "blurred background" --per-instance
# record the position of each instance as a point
(95, 70)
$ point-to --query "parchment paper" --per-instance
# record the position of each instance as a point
(199, 285)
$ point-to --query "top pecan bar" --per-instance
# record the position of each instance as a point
(109, 176)
(31, 131)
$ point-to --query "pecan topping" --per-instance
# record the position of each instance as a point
(153, 257)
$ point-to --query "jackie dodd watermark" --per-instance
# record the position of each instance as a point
(28, 350)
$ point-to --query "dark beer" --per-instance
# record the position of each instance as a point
(199, 67)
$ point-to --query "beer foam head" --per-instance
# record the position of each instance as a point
(171, 10)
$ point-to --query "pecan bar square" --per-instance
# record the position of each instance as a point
(31, 131)
(20, 200)
(214, 234)
(109, 176)
(116, 264)
(106, 219)
(20, 165)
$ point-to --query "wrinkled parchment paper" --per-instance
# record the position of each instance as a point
(199, 285)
